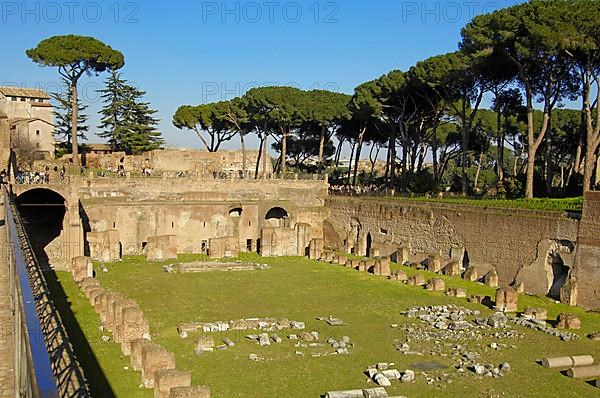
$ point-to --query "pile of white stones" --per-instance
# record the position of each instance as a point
(383, 375)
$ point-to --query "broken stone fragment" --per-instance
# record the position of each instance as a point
(276, 338)
(264, 340)
(408, 376)
(381, 380)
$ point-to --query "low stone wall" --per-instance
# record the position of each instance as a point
(125, 320)
(534, 248)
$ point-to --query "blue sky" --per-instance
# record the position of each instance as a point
(191, 52)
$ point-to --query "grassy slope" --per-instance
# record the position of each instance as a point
(302, 290)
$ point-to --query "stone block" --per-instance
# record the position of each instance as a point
(133, 327)
(136, 352)
(399, 276)
(457, 292)
(190, 392)
(93, 292)
(167, 379)
(160, 248)
(353, 264)
(416, 280)
(401, 255)
(105, 307)
(369, 264)
(540, 314)
(471, 274)
(478, 299)
(520, 287)
(507, 299)
(104, 246)
(81, 268)
(362, 266)
(204, 343)
(88, 283)
(115, 317)
(569, 292)
(436, 285)
(278, 241)
(568, 321)
(382, 266)
(155, 358)
(452, 269)
(342, 260)
(434, 263)
(491, 278)
(115, 314)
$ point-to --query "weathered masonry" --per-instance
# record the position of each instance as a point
(550, 253)
(107, 218)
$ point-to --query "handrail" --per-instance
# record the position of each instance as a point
(51, 368)
(33, 372)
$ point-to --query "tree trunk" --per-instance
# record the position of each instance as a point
(243, 146)
(530, 172)
(352, 147)
(361, 137)
(392, 151)
(534, 142)
(434, 154)
(265, 154)
(74, 119)
(284, 133)
(549, 169)
(321, 150)
(499, 147)
(338, 152)
(593, 132)
(465, 148)
(478, 172)
(258, 158)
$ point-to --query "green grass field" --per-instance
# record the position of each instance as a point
(300, 289)
(543, 204)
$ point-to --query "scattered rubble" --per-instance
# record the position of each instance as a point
(264, 324)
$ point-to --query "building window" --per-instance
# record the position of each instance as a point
(14, 98)
(40, 100)
(23, 99)
(37, 132)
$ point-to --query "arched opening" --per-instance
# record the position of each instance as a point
(278, 217)
(236, 212)
(42, 212)
(560, 273)
(369, 244)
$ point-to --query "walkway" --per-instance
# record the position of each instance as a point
(7, 378)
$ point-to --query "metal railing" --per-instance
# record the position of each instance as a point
(45, 363)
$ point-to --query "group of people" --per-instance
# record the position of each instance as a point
(37, 177)
(349, 190)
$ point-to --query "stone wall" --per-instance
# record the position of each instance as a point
(201, 212)
(585, 283)
(533, 247)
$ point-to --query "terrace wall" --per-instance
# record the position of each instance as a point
(538, 248)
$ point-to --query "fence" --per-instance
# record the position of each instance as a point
(45, 364)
